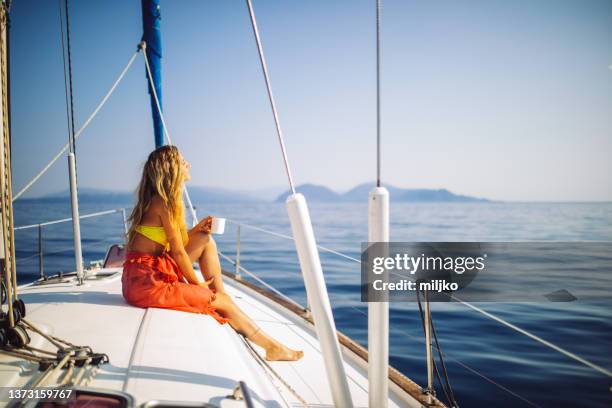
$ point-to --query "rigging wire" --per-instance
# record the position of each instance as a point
(478, 373)
(435, 366)
(264, 67)
(536, 338)
(446, 387)
(378, 93)
(59, 5)
(72, 138)
(444, 371)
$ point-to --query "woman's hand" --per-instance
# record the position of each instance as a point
(206, 283)
(205, 225)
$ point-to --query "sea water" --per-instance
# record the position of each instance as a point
(488, 363)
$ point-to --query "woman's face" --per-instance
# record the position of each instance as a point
(185, 167)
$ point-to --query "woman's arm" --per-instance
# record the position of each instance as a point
(177, 249)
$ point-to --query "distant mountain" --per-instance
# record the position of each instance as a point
(312, 192)
(360, 194)
(440, 195)
(199, 195)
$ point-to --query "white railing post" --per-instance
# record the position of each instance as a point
(314, 281)
(125, 226)
(41, 265)
(378, 312)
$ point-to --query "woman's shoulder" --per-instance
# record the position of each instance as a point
(157, 204)
(155, 209)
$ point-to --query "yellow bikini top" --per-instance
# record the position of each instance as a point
(156, 234)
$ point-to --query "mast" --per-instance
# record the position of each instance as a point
(151, 34)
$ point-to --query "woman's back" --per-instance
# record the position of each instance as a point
(151, 237)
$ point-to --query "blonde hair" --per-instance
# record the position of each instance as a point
(163, 175)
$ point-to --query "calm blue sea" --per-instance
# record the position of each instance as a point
(489, 365)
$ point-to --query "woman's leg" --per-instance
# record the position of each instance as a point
(203, 247)
(245, 326)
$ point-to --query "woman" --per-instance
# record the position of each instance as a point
(160, 253)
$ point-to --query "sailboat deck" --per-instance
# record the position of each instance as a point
(159, 354)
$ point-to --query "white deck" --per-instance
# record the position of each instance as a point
(158, 354)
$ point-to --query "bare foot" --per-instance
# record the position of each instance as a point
(283, 354)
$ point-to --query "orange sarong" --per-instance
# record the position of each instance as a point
(156, 281)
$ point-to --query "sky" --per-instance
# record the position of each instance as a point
(507, 100)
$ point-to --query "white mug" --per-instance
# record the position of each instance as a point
(218, 226)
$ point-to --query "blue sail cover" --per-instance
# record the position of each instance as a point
(151, 25)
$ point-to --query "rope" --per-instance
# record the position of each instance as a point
(48, 337)
(264, 68)
(32, 349)
(20, 354)
(143, 45)
(80, 131)
(8, 234)
(267, 366)
(77, 378)
(67, 353)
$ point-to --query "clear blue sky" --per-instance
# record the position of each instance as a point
(508, 100)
